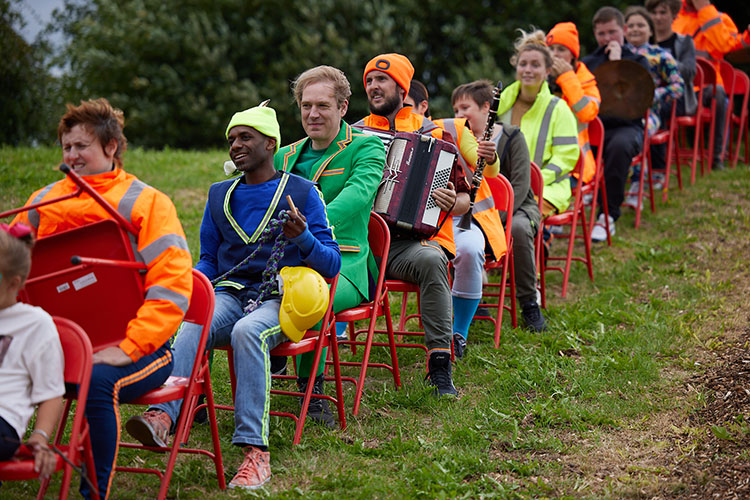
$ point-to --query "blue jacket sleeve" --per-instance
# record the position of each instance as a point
(210, 239)
(323, 255)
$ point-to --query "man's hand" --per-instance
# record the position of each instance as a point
(559, 67)
(445, 198)
(44, 457)
(113, 356)
(614, 50)
(486, 150)
(295, 225)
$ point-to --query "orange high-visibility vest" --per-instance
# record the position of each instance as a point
(160, 244)
(582, 96)
(484, 212)
(714, 34)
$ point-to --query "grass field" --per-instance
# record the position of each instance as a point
(593, 408)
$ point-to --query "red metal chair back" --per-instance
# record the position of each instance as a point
(741, 88)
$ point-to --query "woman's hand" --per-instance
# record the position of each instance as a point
(44, 458)
(113, 356)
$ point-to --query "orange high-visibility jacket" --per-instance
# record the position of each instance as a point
(713, 32)
(581, 93)
(406, 121)
(484, 212)
(160, 244)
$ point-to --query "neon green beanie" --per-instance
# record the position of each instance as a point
(261, 118)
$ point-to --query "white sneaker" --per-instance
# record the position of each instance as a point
(588, 198)
(658, 178)
(631, 198)
(556, 229)
(599, 233)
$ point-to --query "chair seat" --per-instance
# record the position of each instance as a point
(401, 286)
(686, 121)
(565, 218)
(363, 311)
(21, 467)
(307, 344)
(661, 137)
(173, 389)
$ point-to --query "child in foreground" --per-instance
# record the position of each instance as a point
(31, 358)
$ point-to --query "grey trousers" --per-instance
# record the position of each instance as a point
(425, 264)
(523, 257)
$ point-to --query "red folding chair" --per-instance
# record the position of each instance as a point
(380, 241)
(708, 115)
(740, 121)
(666, 136)
(571, 219)
(187, 389)
(77, 451)
(313, 341)
(644, 159)
(502, 194)
(690, 122)
(728, 77)
(537, 187)
(596, 140)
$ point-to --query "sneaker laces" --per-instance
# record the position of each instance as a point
(249, 467)
(439, 373)
(533, 313)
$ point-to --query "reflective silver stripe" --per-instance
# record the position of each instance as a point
(703, 53)
(483, 205)
(449, 124)
(33, 214)
(161, 293)
(158, 246)
(712, 22)
(564, 141)
(585, 148)
(561, 178)
(125, 207)
(744, 43)
(134, 247)
(581, 103)
(541, 139)
(557, 170)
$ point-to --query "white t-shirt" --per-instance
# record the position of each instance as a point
(31, 363)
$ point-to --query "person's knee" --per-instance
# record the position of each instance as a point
(468, 252)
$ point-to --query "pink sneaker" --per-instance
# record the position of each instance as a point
(151, 428)
(255, 470)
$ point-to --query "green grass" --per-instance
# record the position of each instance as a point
(608, 365)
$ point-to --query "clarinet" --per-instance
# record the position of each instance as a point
(476, 180)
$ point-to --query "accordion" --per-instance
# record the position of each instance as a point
(415, 166)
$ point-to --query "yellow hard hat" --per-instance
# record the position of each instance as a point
(304, 302)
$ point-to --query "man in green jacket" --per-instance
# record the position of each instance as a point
(348, 166)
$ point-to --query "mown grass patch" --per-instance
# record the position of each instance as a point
(588, 409)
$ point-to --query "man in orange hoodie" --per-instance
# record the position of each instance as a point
(714, 34)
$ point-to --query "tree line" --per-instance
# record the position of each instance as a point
(180, 68)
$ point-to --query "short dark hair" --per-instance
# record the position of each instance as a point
(637, 10)
(674, 6)
(607, 14)
(480, 91)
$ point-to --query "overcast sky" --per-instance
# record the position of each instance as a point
(37, 14)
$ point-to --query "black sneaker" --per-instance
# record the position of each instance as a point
(440, 374)
(532, 317)
(278, 365)
(459, 345)
(318, 410)
(482, 312)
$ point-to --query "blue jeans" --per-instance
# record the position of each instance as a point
(251, 336)
(109, 386)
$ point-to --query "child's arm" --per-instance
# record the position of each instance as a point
(47, 415)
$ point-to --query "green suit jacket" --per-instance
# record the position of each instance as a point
(348, 174)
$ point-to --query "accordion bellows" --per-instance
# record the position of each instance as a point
(415, 166)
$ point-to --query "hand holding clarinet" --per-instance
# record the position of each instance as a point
(485, 149)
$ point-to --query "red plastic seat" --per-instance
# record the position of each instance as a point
(77, 451)
(380, 241)
(728, 77)
(707, 116)
(571, 219)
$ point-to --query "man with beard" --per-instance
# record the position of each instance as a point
(237, 212)
(387, 79)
